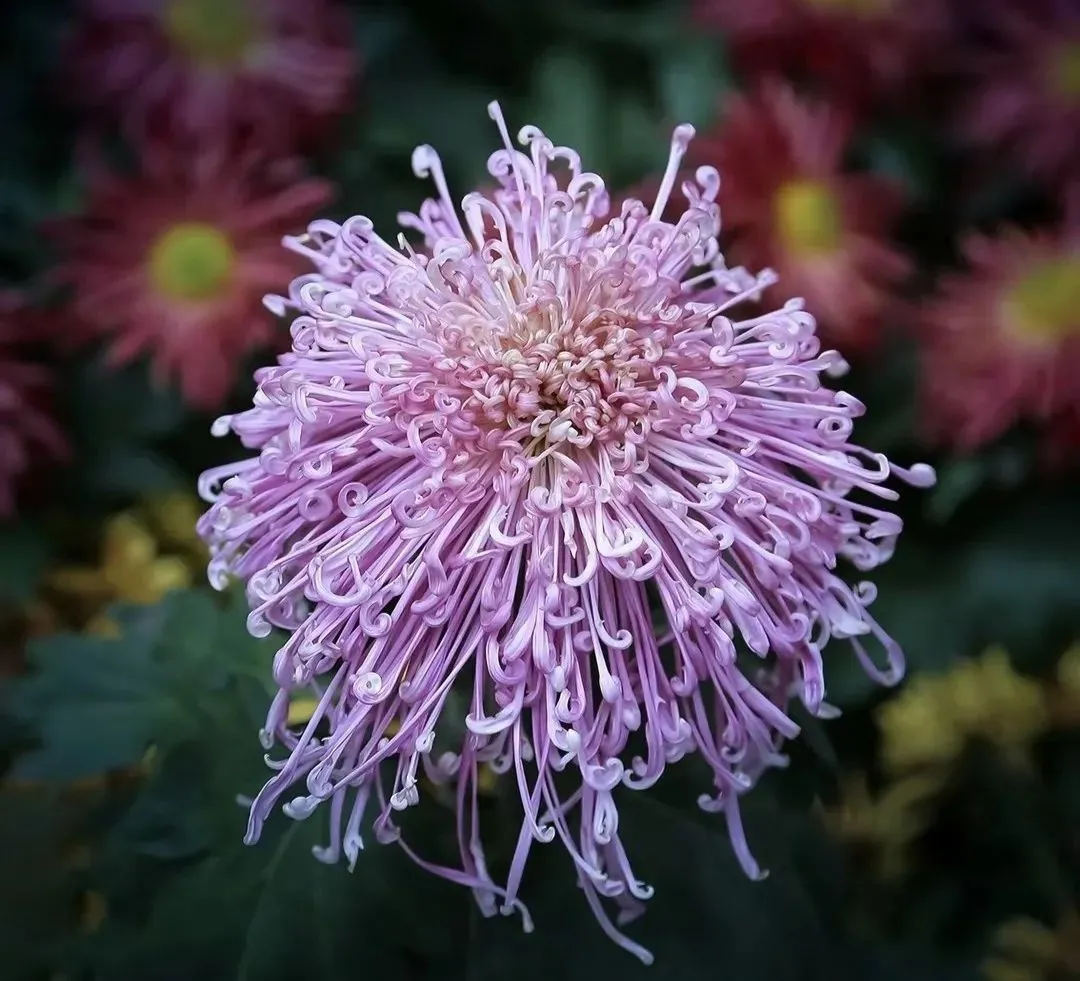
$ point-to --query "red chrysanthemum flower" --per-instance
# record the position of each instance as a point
(175, 262)
(1024, 98)
(856, 51)
(27, 431)
(1002, 340)
(273, 68)
(788, 205)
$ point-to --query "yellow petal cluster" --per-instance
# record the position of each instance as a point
(131, 568)
(886, 824)
(1027, 950)
(933, 718)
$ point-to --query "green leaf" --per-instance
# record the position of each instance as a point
(412, 101)
(272, 912)
(126, 400)
(378, 34)
(567, 102)
(639, 139)
(1021, 589)
(961, 478)
(652, 27)
(38, 895)
(188, 899)
(24, 554)
(905, 154)
(117, 417)
(98, 704)
(692, 76)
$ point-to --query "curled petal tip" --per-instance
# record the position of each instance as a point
(684, 133)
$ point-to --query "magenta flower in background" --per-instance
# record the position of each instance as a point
(790, 205)
(855, 52)
(28, 434)
(1001, 340)
(534, 457)
(1023, 76)
(174, 261)
(276, 70)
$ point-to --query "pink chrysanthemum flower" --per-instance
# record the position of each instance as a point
(547, 469)
(175, 262)
(28, 434)
(1002, 340)
(1025, 86)
(274, 69)
(855, 51)
(789, 206)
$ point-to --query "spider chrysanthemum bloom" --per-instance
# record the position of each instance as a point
(174, 261)
(1001, 340)
(1023, 74)
(789, 205)
(857, 52)
(533, 459)
(28, 434)
(275, 69)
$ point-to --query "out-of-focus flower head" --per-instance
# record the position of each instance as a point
(28, 433)
(545, 466)
(1001, 340)
(274, 70)
(789, 206)
(855, 52)
(174, 262)
(172, 518)
(1063, 693)
(1027, 950)
(915, 732)
(1068, 671)
(885, 825)
(931, 720)
(1022, 68)
(131, 570)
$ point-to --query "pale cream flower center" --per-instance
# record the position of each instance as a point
(212, 32)
(191, 261)
(808, 219)
(1043, 307)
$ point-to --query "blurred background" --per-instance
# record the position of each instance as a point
(906, 166)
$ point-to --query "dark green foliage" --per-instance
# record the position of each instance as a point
(24, 555)
(99, 704)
